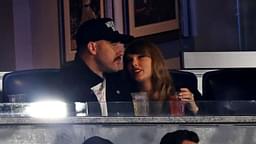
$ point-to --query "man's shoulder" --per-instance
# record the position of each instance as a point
(74, 68)
(117, 80)
(73, 73)
(70, 65)
(120, 75)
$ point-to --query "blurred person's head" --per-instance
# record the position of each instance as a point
(144, 63)
(100, 45)
(97, 140)
(180, 137)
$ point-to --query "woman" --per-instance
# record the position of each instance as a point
(146, 69)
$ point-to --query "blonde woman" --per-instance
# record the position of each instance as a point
(146, 69)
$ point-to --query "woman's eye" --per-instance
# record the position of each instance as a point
(142, 57)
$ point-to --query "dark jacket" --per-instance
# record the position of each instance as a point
(77, 80)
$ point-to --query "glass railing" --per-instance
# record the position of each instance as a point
(227, 108)
(127, 109)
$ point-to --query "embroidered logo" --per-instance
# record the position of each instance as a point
(110, 24)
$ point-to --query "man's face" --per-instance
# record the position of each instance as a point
(109, 56)
(188, 142)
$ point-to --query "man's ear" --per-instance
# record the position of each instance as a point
(92, 48)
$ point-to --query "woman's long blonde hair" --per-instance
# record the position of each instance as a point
(161, 79)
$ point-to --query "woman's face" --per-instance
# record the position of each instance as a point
(140, 67)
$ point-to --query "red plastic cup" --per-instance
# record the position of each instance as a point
(177, 107)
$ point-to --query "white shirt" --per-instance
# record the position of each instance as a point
(100, 92)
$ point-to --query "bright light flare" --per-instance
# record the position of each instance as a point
(47, 109)
(81, 109)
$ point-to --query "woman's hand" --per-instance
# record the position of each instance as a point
(187, 96)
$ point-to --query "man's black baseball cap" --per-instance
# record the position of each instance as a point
(99, 29)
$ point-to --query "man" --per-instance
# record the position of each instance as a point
(100, 50)
(97, 140)
(180, 137)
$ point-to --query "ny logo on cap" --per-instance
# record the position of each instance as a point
(110, 24)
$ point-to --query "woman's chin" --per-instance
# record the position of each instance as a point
(139, 79)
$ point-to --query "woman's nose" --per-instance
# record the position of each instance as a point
(134, 63)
